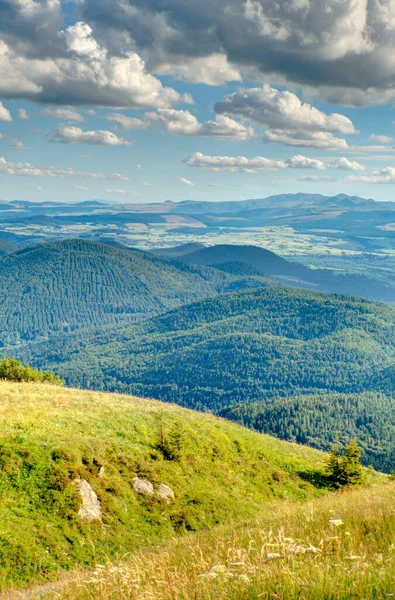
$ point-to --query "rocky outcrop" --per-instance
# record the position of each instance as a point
(165, 493)
(90, 509)
(143, 486)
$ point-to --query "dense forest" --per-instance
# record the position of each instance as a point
(317, 419)
(70, 285)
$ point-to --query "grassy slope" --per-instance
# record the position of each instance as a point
(52, 435)
(288, 553)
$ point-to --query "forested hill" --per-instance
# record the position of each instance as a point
(234, 348)
(77, 284)
(318, 419)
(265, 262)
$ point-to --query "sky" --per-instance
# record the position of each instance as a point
(151, 100)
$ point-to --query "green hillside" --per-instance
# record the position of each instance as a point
(240, 347)
(318, 418)
(250, 347)
(55, 438)
(75, 284)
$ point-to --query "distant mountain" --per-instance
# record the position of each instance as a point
(277, 201)
(78, 284)
(177, 251)
(265, 262)
(7, 247)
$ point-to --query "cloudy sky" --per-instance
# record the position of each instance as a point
(148, 100)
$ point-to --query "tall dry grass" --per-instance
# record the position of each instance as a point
(340, 546)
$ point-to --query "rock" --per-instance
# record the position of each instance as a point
(101, 472)
(143, 486)
(165, 493)
(90, 509)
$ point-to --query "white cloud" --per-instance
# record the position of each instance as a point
(5, 114)
(386, 175)
(122, 192)
(29, 170)
(342, 48)
(185, 181)
(346, 164)
(234, 163)
(139, 167)
(287, 120)
(75, 135)
(66, 114)
(381, 139)
(81, 188)
(80, 71)
(317, 178)
(182, 122)
(303, 162)
(23, 114)
(18, 144)
(211, 70)
(127, 122)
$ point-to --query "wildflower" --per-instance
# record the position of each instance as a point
(335, 522)
(272, 556)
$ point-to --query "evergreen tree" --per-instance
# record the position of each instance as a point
(351, 472)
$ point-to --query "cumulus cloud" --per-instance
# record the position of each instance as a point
(185, 181)
(303, 162)
(127, 122)
(317, 178)
(75, 135)
(386, 175)
(182, 122)
(5, 114)
(70, 66)
(29, 170)
(343, 48)
(23, 114)
(381, 139)
(287, 120)
(234, 163)
(66, 114)
(346, 164)
(259, 163)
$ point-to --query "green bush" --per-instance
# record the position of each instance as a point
(345, 469)
(14, 370)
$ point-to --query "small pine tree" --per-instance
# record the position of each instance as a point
(345, 469)
(170, 444)
(351, 472)
(333, 464)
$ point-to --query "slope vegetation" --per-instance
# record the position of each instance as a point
(77, 284)
(318, 418)
(52, 437)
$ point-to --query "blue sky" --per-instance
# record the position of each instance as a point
(124, 101)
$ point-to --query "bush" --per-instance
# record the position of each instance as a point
(345, 469)
(14, 370)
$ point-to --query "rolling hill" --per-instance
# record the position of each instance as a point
(243, 347)
(53, 439)
(70, 285)
(265, 262)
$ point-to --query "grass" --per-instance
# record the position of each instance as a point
(50, 436)
(337, 547)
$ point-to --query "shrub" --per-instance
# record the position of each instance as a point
(14, 370)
